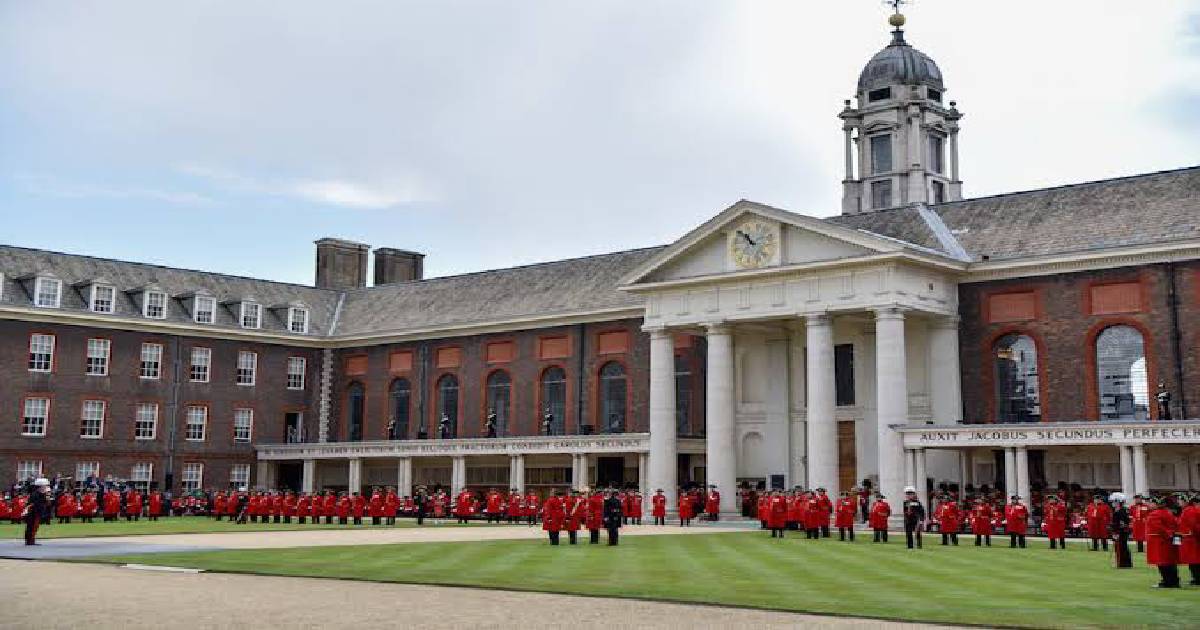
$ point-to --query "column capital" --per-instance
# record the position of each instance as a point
(893, 312)
(818, 319)
(713, 329)
(657, 332)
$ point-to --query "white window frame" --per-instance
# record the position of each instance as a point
(139, 421)
(143, 363)
(94, 363)
(205, 364)
(85, 418)
(94, 300)
(192, 477)
(39, 292)
(29, 468)
(244, 370)
(295, 312)
(84, 469)
(296, 377)
(239, 475)
(188, 424)
(39, 350)
(243, 425)
(204, 304)
(253, 311)
(150, 299)
(141, 475)
(30, 404)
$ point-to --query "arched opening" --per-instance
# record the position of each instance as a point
(355, 407)
(400, 396)
(554, 401)
(613, 398)
(447, 406)
(1018, 397)
(1123, 382)
(499, 397)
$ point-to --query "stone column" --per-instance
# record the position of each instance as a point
(579, 464)
(849, 152)
(1010, 471)
(891, 386)
(1141, 483)
(663, 457)
(954, 155)
(964, 470)
(822, 403)
(458, 474)
(945, 396)
(1022, 461)
(516, 473)
(643, 484)
(354, 478)
(308, 477)
(1127, 483)
(720, 451)
(266, 475)
(404, 476)
(919, 476)
(910, 467)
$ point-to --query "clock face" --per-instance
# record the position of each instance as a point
(753, 244)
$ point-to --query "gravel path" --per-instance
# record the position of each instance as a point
(55, 595)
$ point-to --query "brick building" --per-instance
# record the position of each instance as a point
(763, 346)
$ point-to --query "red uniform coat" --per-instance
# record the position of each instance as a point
(576, 511)
(532, 504)
(1160, 527)
(795, 509)
(133, 504)
(375, 510)
(762, 508)
(1016, 518)
(813, 516)
(219, 504)
(329, 505)
(66, 505)
(343, 507)
(494, 503)
(686, 510)
(1137, 516)
(824, 508)
(1054, 520)
(847, 507)
(712, 503)
(155, 504)
(880, 511)
(516, 505)
(463, 503)
(358, 506)
(1099, 515)
(89, 505)
(981, 520)
(112, 503)
(595, 512)
(658, 506)
(18, 507)
(633, 508)
(391, 504)
(1189, 529)
(303, 505)
(5, 512)
(777, 512)
(949, 517)
(552, 520)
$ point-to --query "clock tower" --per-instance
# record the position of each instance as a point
(902, 137)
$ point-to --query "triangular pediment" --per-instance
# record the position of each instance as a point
(800, 240)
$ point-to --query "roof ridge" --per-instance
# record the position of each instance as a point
(167, 267)
(1094, 182)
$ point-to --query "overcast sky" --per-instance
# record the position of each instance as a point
(228, 135)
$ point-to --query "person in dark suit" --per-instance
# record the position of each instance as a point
(37, 510)
(914, 517)
(612, 516)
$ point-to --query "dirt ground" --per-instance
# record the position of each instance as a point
(58, 595)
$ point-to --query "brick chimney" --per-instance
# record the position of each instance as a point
(341, 264)
(398, 265)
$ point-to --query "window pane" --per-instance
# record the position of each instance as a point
(447, 406)
(843, 373)
(91, 421)
(881, 194)
(201, 365)
(205, 310)
(1017, 390)
(401, 399)
(612, 398)
(354, 409)
(1121, 373)
(937, 154)
(554, 400)
(683, 396)
(499, 393)
(97, 357)
(881, 154)
(145, 421)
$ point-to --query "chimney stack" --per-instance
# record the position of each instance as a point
(341, 264)
(398, 265)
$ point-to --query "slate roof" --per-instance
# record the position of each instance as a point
(17, 262)
(1138, 210)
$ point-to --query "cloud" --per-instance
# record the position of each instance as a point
(52, 186)
(338, 192)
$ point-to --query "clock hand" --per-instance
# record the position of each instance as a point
(746, 236)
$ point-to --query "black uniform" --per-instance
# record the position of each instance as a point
(612, 517)
(1120, 526)
(914, 517)
(37, 510)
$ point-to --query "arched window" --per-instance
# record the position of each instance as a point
(499, 395)
(355, 405)
(447, 406)
(1121, 374)
(612, 398)
(683, 396)
(1018, 397)
(554, 400)
(400, 394)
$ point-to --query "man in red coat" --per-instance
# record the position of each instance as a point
(1054, 522)
(66, 507)
(595, 516)
(288, 505)
(1016, 522)
(712, 504)
(462, 505)
(843, 519)
(516, 506)
(576, 510)
(555, 514)
(343, 508)
(375, 507)
(878, 518)
(633, 509)
(658, 507)
(494, 505)
(813, 516)
(777, 514)
(358, 507)
(391, 505)
(533, 506)
(825, 509)
(156, 505)
(981, 522)
(329, 506)
(686, 509)
(1099, 517)
(1137, 516)
(303, 506)
(1189, 532)
(949, 519)
(1161, 528)
(133, 505)
(87, 507)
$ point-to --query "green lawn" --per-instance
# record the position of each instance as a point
(1032, 587)
(173, 525)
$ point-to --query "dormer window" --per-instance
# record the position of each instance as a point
(103, 298)
(934, 95)
(882, 94)
(204, 309)
(298, 319)
(251, 315)
(154, 304)
(47, 292)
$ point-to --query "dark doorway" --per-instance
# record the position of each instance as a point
(610, 471)
(289, 476)
(293, 427)
(1001, 472)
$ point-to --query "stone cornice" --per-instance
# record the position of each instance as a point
(554, 444)
(1051, 434)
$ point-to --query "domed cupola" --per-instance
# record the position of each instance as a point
(901, 141)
